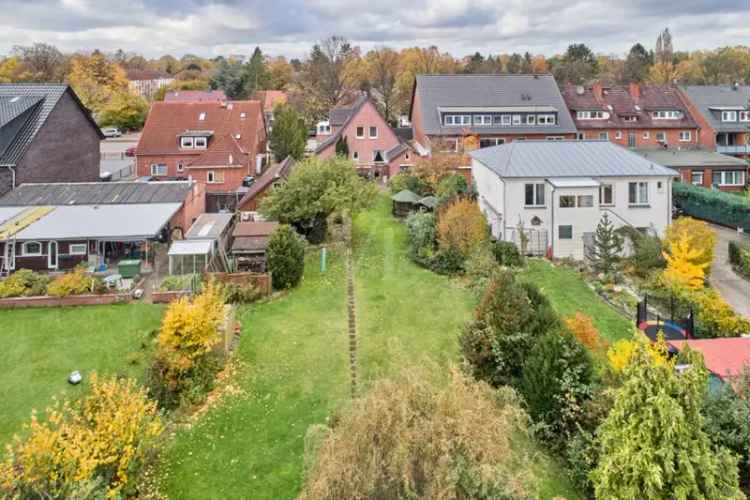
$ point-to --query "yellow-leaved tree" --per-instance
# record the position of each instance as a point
(685, 266)
(621, 353)
(700, 236)
(462, 227)
(96, 79)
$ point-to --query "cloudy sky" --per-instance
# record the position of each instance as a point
(289, 27)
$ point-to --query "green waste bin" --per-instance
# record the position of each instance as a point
(129, 268)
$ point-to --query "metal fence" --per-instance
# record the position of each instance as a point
(536, 241)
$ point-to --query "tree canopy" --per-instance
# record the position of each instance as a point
(289, 133)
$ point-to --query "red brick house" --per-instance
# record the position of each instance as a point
(276, 173)
(219, 144)
(634, 116)
(373, 146)
(195, 96)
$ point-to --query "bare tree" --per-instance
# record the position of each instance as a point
(323, 77)
(43, 62)
(383, 66)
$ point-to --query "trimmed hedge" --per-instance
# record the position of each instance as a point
(715, 206)
(739, 257)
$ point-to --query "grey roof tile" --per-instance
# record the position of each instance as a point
(97, 193)
(707, 96)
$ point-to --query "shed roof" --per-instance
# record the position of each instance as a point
(102, 222)
(254, 229)
(209, 226)
(249, 244)
(405, 196)
(98, 193)
(547, 159)
(691, 158)
(7, 213)
(724, 357)
(190, 247)
(490, 91)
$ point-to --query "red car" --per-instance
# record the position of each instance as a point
(130, 151)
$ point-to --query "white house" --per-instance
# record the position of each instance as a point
(556, 192)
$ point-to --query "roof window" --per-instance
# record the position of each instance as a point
(202, 117)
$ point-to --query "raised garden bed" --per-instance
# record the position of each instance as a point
(71, 300)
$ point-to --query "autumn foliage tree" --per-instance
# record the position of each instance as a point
(699, 235)
(582, 327)
(685, 266)
(462, 227)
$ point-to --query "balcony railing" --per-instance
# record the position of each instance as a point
(734, 150)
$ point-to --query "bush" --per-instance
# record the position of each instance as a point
(180, 283)
(648, 254)
(76, 282)
(506, 254)
(462, 227)
(405, 180)
(97, 445)
(421, 231)
(411, 437)
(739, 256)
(712, 205)
(235, 293)
(480, 267)
(716, 318)
(24, 283)
(452, 186)
(582, 327)
(286, 257)
(184, 364)
(448, 261)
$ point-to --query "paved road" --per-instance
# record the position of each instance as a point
(113, 159)
(733, 288)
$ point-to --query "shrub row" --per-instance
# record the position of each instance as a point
(715, 206)
(739, 256)
(27, 283)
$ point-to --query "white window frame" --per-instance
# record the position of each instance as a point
(75, 249)
(661, 137)
(180, 166)
(357, 134)
(566, 196)
(724, 175)
(375, 154)
(26, 253)
(669, 114)
(646, 135)
(555, 138)
(186, 143)
(548, 119)
(603, 136)
(355, 156)
(535, 196)
(506, 120)
(156, 169)
(447, 142)
(516, 119)
(530, 119)
(695, 175)
(202, 117)
(602, 201)
(585, 197)
(729, 116)
(618, 134)
(373, 127)
(744, 116)
(200, 143)
(686, 135)
(641, 194)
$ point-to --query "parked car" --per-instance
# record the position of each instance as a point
(130, 151)
(111, 132)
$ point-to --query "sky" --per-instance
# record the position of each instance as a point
(290, 27)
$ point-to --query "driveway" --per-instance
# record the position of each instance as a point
(113, 159)
(733, 288)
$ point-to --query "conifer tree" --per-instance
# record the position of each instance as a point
(607, 246)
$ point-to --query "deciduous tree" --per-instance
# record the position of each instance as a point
(289, 133)
(462, 227)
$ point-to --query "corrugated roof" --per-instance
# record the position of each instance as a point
(567, 159)
(190, 247)
(208, 226)
(691, 158)
(104, 222)
(706, 97)
(97, 193)
(479, 91)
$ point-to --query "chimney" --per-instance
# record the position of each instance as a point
(635, 90)
(597, 90)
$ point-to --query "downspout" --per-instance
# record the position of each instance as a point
(552, 219)
(12, 174)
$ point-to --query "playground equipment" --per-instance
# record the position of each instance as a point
(672, 328)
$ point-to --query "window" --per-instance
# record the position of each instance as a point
(158, 169)
(31, 248)
(567, 201)
(243, 115)
(585, 201)
(666, 115)
(606, 194)
(631, 139)
(180, 167)
(355, 155)
(77, 249)
(630, 118)
(565, 232)
(638, 193)
(685, 135)
(186, 142)
(696, 177)
(202, 117)
(360, 132)
(554, 138)
(214, 177)
(373, 132)
(534, 195)
(661, 137)
(457, 120)
(604, 136)
(546, 119)
(530, 119)
(506, 120)
(728, 178)
(482, 119)
(516, 119)
(618, 134)
(377, 156)
(592, 115)
(646, 134)
(729, 116)
(745, 116)
(200, 142)
(448, 145)
(493, 141)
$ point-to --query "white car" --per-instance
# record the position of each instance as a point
(111, 132)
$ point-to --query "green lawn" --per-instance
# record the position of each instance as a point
(569, 293)
(295, 349)
(42, 346)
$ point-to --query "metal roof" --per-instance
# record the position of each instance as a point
(483, 92)
(708, 98)
(208, 226)
(549, 159)
(7, 213)
(574, 182)
(97, 193)
(102, 222)
(691, 158)
(190, 247)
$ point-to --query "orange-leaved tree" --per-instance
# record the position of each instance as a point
(431, 170)
(462, 227)
(700, 236)
(685, 265)
(584, 330)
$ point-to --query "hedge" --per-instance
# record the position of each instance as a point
(739, 257)
(714, 206)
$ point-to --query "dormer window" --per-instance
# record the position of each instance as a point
(457, 120)
(630, 118)
(186, 142)
(200, 142)
(669, 114)
(592, 115)
(482, 119)
(202, 117)
(745, 116)
(546, 120)
(729, 116)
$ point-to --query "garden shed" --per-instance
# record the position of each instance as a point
(250, 240)
(428, 203)
(206, 240)
(404, 202)
(189, 256)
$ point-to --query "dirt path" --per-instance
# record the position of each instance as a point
(733, 288)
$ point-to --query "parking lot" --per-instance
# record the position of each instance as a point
(113, 159)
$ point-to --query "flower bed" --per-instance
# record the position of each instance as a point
(71, 300)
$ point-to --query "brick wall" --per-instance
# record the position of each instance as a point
(707, 133)
(650, 142)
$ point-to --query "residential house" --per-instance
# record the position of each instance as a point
(723, 112)
(702, 167)
(249, 244)
(276, 174)
(459, 113)
(58, 226)
(373, 146)
(145, 82)
(195, 96)
(635, 115)
(219, 144)
(555, 193)
(46, 135)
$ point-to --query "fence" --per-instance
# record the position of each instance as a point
(536, 241)
(261, 281)
(722, 208)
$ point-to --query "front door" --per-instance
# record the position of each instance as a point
(52, 255)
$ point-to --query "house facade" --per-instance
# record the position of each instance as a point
(217, 144)
(455, 114)
(373, 146)
(702, 167)
(634, 116)
(555, 193)
(146, 82)
(46, 135)
(276, 174)
(723, 112)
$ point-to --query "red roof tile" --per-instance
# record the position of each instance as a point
(271, 98)
(195, 95)
(724, 357)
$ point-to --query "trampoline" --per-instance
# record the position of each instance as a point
(670, 329)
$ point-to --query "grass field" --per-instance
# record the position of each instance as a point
(569, 293)
(42, 346)
(295, 352)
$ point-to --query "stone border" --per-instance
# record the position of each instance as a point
(167, 297)
(69, 301)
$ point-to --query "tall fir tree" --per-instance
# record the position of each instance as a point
(289, 133)
(608, 245)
